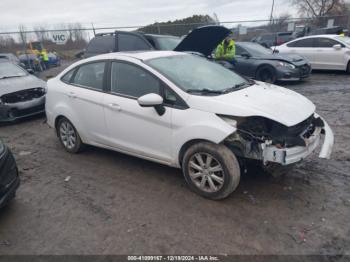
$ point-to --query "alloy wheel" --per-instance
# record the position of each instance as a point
(206, 172)
(68, 135)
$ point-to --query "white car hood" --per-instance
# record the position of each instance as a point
(273, 102)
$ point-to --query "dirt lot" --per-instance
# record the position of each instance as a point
(117, 204)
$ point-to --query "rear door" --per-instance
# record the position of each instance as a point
(328, 57)
(85, 97)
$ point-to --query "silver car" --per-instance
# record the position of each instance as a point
(21, 94)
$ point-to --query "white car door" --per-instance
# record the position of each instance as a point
(328, 56)
(85, 94)
(132, 128)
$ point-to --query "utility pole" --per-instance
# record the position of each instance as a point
(271, 16)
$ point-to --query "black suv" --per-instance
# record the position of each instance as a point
(129, 41)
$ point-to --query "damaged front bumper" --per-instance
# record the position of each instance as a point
(287, 156)
(13, 111)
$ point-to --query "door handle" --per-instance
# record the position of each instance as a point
(115, 107)
(72, 95)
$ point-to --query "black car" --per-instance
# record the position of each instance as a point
(258, 62)
(21, 94)
(128, 41)
(9, 179)
(268, 40)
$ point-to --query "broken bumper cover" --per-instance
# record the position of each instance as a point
(15, 111)
(287, 156)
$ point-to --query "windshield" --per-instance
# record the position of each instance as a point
(195, 74)
(344, 39)
(256, 49)
(10, 70)
(168, 42)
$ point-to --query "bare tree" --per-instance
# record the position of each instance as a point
(41, 33)
(319, 8)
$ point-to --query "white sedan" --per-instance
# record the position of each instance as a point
(330, 52)
(184, 111)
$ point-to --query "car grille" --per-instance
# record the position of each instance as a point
(23, 95)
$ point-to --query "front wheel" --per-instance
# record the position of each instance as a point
(211, 170)
(69, 136)
(348, 68)
(266, 74)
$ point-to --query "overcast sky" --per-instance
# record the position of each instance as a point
(129, 12)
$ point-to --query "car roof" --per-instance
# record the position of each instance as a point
(139, 55)
(324, 35)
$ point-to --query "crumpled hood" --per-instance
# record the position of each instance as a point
(10, 85)
(273, 102)
(290, 58)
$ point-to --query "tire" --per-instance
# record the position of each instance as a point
(266, 74)
(68, 136)
(221, 180)
(348, 68)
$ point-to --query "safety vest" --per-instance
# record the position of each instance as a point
(226, 51)
(45, 56)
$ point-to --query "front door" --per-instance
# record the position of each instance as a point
(132, 128)
(328, 57)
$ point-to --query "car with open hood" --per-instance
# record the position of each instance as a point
(9, 179)
(21, 94)
(184, 111)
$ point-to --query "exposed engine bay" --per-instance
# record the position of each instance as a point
(263, 139)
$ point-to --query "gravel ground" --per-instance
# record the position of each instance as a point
(117, 204)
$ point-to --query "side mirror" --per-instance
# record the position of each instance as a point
(152, 100)
(246, 55)
(337, 47)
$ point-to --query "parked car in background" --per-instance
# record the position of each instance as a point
(268, 40)
(31, 61)
(10, 57)
(331, 52)
(9, 179)
(205, 116)
(334, 30)
(129, 41)
(21, 94)
(54, 59)
(258, 62)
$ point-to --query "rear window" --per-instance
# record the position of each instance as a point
(130, 42)
(101, 44)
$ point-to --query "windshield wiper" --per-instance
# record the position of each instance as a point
(204, 91)
(238, 86)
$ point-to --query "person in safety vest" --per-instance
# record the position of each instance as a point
(226, 50)
(45, 58)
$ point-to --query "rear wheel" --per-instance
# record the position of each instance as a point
(266, 74)
(69, 136)
(348, 68)
(211, 170)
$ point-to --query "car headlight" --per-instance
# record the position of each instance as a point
(285, 64)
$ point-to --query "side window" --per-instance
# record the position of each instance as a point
(130, 42)
(130, 80)
(102, 44)
(90, 75)
(172, 99)
(68, 76)
(325, 42)
(302, 43)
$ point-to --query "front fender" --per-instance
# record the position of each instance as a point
(201, 126)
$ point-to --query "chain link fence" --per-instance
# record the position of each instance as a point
(19, 41)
